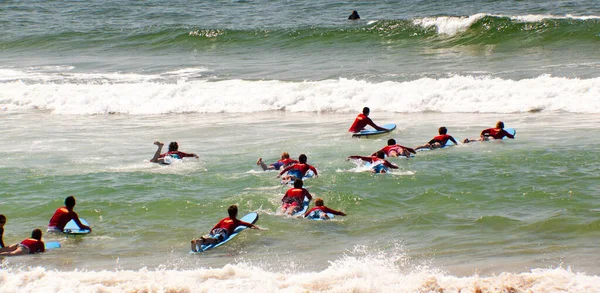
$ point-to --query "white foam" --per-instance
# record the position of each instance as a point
(358, 271)
(86, 94)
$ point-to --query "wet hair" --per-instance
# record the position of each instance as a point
(319, 202)
(500, 125)
(285, 155)
(380, 154)
(391, 141)
(298, 183)
(2, 218)
(442, 130)
(173, 146)
(232, 211)
(70, 201)
(36, 234)
(302, 159)
(366, 110)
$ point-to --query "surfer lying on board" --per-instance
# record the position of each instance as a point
(379, 164)
(438, 141)
(222, 229)
(297, 170)
(284, 162)
(2, 223)
(28, 246)
(173, 152)
(293, 199)
(492, 133)
(362, 120)
(321, 211)
(395, 150)
(63, 215)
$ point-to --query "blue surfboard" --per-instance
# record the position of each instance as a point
(309, 174)
(372, 132)
(71, 228)
(52, 245)
(249, 218)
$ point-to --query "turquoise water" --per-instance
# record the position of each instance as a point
(87, 87)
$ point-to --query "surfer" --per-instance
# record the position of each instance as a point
(293, 199)
(28, 246)
(222, 229)
(438, 141)
(395, 150)
(173, 152)
(492, 133)
(363, 120)
(354, 15)
(65, 214)
(379, 164)
(321, 211)
(2, 223)
(298, 170)
(284, 162)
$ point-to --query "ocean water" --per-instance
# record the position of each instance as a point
(87, 87)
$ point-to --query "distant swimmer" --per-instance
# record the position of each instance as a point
(378, 163)
(28, 246)
(284, 162)
(321, 211)
(63, 215)
(492, 133)
(298, 170)
(438, 141)
(354, 15)
(395, 150)
(222, 230)
(173, 152)
(293, 199)
(362, 120)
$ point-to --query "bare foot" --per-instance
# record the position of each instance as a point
(158, 143)
(259, 161)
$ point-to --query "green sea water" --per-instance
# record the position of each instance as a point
(483, 207)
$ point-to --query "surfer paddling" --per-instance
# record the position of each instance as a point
(379, 164)
(222, 229)
(321, 211)
(395, 150)
(284, 162)
(31, 245)
(362, 120)
(492, 133)
(438, 141)
(173, 152)
(293, 199)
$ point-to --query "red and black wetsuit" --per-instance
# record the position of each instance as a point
(496, 133)
(360, 122)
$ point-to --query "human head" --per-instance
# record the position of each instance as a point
(232, 211)
(442, 130)
(318, 201)
(302, 159)
(285, 155)
(391, 141)
(70, 202)
(2, 220)
(380, 154)
(500, 124)
(298, 183)
(36, 234)
(366, 111)
(173, 146)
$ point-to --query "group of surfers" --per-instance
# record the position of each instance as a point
(34, 244)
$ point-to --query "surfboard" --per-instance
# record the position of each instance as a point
(170, 159)
(249, 218)
(52, 245)
(372, 132)
(71, 228)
